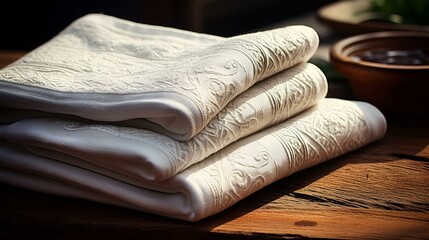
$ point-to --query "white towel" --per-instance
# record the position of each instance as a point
(325, 131)
(171, 81)
(147, 155)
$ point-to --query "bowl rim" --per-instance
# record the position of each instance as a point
(337, 50)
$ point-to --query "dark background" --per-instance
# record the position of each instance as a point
(27, 24)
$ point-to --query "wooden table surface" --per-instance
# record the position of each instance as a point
(380, 191)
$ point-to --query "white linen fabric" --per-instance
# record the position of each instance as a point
(171, 122)
(325, 131)
(140, 153)
(107, 69)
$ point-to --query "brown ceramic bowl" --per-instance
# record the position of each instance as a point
(388, 69)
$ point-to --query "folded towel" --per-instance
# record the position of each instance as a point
(325, 131)
(171, 122)
(147, 155)
(170, 81)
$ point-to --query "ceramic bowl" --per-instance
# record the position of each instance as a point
(387, 69)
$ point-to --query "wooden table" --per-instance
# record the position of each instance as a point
(380, 191)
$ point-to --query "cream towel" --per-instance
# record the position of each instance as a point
(139, 153)
(325, 131)
(170, 81)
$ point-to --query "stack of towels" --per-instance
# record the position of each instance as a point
(171, 122)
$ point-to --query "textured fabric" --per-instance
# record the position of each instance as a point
(107, 69)
(152, 156)
(171, 122)
(327, 130)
